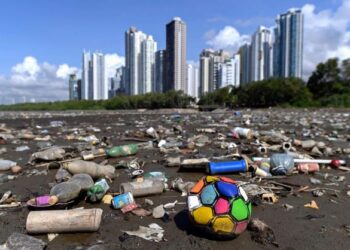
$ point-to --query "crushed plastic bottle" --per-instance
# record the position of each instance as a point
(6, 164)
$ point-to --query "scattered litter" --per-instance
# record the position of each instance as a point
(312, 205)
(153, 232)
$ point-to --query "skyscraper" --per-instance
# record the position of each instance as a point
(261, 54)
(245, 58)
(85, 76)
(117, 82)
(73, 87)
(99, 77)
(288, 46)
(94, 77)
(210, 61)
(148, 50)
(159, 71)
(230, 72)
(133, 41)
(140, 52)
(175, 67)
(192, 80)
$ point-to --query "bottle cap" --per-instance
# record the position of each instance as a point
(53, 200)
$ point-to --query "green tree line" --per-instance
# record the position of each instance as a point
(170, 99)
(328, 86)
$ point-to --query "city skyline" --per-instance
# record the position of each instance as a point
(225, 34)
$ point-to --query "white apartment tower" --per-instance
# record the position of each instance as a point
(140, 52)
(94, 77)
(133, 41)
(192, 80)
(148, 79)
(261, 55)
(230, 72)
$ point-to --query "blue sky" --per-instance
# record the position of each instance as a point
(57, 31)
(42, 41)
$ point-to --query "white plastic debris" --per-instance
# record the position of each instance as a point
(153, 232)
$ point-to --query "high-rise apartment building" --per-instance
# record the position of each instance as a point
(159, 71)
(140, 60)
(73, 87)
(117, 82)
(94, 77)
(133, 67)
(85, 76)
(210, 62)
(245, 67)
(192, 80)
(148, 50)
(175, 66)
(288, 46)
(230, 72)
(261, 54)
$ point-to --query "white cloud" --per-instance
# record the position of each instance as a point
(113, 61)
(193, 63)
(228, 39)
(31, 79)
(64, 71)
(44, 81)
(326, 35)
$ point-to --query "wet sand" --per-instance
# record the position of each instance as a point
(293, 229)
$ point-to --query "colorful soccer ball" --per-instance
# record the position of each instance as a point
(219, 204)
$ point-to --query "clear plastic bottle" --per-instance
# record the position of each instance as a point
(64, 192)
(91, 168)
(83, 180)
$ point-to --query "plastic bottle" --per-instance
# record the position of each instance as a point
(91, 168)
(83, 180)
(6, 164)
(64, 192)
(50, 154)
(243, 132)
(147, 187)
(97, 191)
(90, 155)
(281, 164)
(62, 175)
(124, 150)
(160, 176)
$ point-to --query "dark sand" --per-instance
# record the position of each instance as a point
(292, 228)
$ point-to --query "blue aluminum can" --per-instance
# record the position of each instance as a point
(227, 167)
(122, 200)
